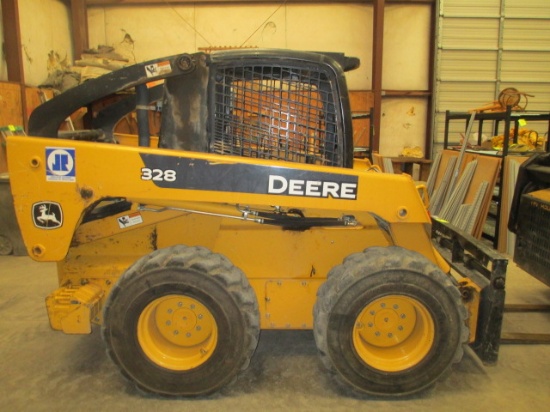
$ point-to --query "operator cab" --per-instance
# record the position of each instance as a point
(270, 104)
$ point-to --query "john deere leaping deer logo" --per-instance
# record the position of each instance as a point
(47, 215)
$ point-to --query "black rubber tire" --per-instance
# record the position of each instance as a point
(202, 275)
(370, 275)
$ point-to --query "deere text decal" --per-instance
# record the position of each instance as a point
(182, 173)
(280, 185)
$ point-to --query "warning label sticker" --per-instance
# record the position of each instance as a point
(158, 69)
(130, 220)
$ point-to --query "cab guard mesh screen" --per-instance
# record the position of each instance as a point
(275, 112)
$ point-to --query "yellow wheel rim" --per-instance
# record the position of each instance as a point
(393, 333)
(177, 332)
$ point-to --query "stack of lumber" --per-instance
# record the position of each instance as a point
(384, 163)
(461, 186)
(507, 239)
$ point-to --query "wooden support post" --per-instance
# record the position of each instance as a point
(377, 53)
(12, 41)
(13, 50)
(79, 18)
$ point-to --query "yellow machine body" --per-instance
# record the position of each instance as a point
(285, 266)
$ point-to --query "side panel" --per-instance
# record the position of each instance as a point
(64, 193)
(70, 177)
(272, 258)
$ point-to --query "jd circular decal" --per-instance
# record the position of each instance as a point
(47, 215)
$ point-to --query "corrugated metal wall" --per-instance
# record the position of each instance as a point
(485, 46)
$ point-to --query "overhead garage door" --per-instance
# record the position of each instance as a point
(485, 46)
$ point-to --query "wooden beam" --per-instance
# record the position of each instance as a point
(524, 338)
(428, 146)
(406, 93)
(79, 19)
(12, 41)
(13, 50)
(377, 56)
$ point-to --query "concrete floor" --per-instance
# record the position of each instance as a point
(43, 370)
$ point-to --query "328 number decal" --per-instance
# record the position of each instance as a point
(158, 175)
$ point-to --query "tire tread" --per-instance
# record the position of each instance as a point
(199, 259)
(367, 263)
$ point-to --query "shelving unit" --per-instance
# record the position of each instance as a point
(508, 118)
(503, 122)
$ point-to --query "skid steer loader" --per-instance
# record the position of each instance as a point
(246, 214)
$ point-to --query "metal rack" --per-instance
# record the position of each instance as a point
(507, 118)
